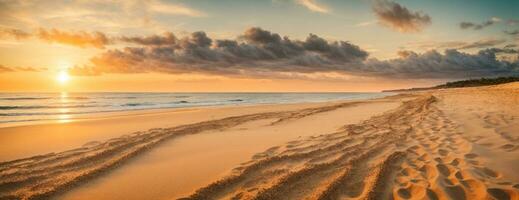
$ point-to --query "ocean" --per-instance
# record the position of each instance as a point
(16, 108)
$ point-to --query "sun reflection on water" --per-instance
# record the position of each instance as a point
(63, 96)
(64, 116)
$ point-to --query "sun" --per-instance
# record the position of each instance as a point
(63, 77)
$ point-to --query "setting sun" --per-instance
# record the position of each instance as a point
(63, 77)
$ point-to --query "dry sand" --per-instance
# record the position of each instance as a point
(443, 144)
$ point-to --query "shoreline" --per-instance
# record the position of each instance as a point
(109, 126)
(66, 118)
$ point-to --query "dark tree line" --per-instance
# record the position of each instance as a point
(478, 82)
(465, 83)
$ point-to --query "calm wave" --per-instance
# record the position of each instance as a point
(22, 107)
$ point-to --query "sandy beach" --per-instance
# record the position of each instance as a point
(439, 144)
(259, 100)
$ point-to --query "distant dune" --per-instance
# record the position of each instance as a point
(464, 83)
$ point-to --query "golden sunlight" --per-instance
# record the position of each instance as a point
(63, 77)
(271, 99)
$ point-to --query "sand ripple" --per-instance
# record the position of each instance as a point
(43, 176)
(413, 152)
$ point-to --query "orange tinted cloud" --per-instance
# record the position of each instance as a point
(16, 33)
(5, 69)
(313, 6)
(16, 69)
(80, 39)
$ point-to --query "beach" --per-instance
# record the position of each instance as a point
(437, 144)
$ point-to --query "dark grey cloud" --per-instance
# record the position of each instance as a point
(450, 64)
(167, 38)
(256, 49)
(462, 45)
(400, 18)
(259, 52)
(260, 36)
(476, 26)
(503, 50)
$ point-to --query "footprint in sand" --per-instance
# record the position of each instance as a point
(404, 193)
(471, 155)
(498, 193)
(487, 172)
(432, 194)
(456, 192)
(443, 169)
(456, 162)
(487, 144)
(443, 152)
(474, 162)
(508, 147)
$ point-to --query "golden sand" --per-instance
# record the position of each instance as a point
(442, 144)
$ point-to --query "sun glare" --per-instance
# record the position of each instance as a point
(63, 77)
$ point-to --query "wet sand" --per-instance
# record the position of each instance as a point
(180, 166)
(442, 144)
(56, 136)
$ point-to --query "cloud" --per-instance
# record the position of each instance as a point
(15, 33)
(474, 26)
(4, 69)
(449, 65)
(174, 9)
(166, 38)
(514, 32)
(483, 43)
(406, 54)
(512, 22)
(80, 39)
(313, 6)
(106, 16)
(400, 18)
(261, 53)
(255, 50)
(366, 23)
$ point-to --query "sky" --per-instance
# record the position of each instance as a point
(253, 45)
